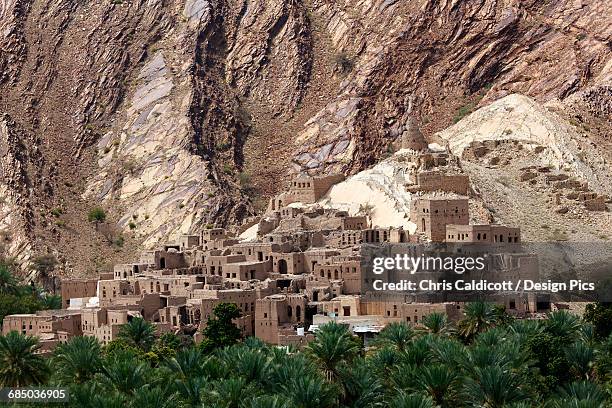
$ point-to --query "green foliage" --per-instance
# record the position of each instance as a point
(479, 316)
(436, 323)
(344, 63)
(19, 365)
(600, 316)
(8, 282)
(118, 346)
(96, 215)
(333, 345)
(220, 330)
(557, 362)
(223, 146)
(50, 302)
(18, 304)
(551, 360)
(77, 361)
(44, 264)
(396, 335)
(138, 333)
(246, 185)
(228, 169)
(468, 107)
(119, 241)
(18, 298)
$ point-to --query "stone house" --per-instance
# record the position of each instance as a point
(433, 214)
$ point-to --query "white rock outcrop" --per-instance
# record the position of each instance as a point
(520, 118)
(381, 189)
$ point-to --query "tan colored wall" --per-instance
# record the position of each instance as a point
(77, 288)
(411, 313)
(248, 270)
(596, 204)
(267, 318)
(106, 333)
(35, 325)
(126, 271)
(189, 241)
(310, 189)
(24, 323)
(111, 289)
(318, 257)
(482, 233)
(294, 262)
(160, 259)
(438, 181)
(92, 319)
(342, 306)
(354, 223)
(433, 215)
(213, 234)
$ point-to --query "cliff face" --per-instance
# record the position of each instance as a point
(21, 186)
(176, 114)
(443, 59)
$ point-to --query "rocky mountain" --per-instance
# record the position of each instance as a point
(175, 114)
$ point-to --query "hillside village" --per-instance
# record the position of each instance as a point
(298, 266)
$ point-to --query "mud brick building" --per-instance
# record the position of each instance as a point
(433, 214)
(302, 268)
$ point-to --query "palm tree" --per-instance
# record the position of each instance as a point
(254, 366)
(436, 323)
(93, 395)
(361, 389)
(230, 392)
(403, 400)
(333, 345)
(19, 365)
(138, 333)
(419, 352)
(479, 316)
(603, 364)
(270, 401)
(154, 397)
(191, 390)
(308, 391)
(581, 358)
(50, 302)
(8, 282)
(494, 387)
(447, 350)
(492, 337)
(125, 372)
(188, 363)
(441, 383)
(588, 334)
(77, 361)
(396, 335)
(563, 325)
(582, 394)
(287, 367)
